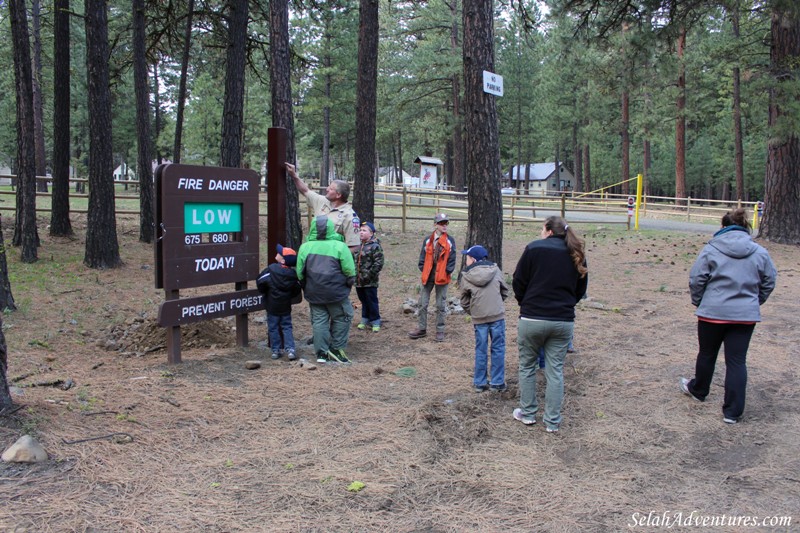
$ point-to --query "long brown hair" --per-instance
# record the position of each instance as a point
(560, 228)
(736, 217)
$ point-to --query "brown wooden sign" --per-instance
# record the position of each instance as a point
(207, 226)
(207, 234)
(189, 310)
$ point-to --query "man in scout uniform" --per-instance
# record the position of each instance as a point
(333, 205)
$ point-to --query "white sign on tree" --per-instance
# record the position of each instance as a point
(492, 83)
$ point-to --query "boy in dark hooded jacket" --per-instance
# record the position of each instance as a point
(326, 271)
(369, 263)
(482, 294)
(278, 283)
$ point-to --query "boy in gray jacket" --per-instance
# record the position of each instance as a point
(482, 294)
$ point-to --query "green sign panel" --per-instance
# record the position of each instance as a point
(212, 218)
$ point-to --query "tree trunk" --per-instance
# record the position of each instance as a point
(557, 169)
(485, 226)
(5, 394)
(144, 161)
(457, 180)
(326, 112)
(366, 117)
(781, 222)
(25, 234)
(626, 142)
(60, 224)
(157, 113)
(646, 166)
(281, 85)
(737, 113)
(587, 169)
(233, 107)
(6, 298)
(400, 180)
(6, 303)
(448, 153)
(577, 158)
(187, 39)
(680, 122)
(527, 184)
(102, 248)
(38, 112)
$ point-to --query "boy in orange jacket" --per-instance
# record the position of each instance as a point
(437, 260)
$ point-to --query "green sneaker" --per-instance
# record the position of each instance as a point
(338, 355)
(362, 326)
(376, 329)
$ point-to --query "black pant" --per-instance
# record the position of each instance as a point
(370, 308)
(736, 338)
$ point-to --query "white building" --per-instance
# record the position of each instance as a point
(542, 177)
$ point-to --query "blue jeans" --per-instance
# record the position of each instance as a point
(330, 324)
(554, 337)
(497, 331)
(279, 328)
(370, 309)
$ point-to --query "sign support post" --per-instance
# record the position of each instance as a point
(276, 190)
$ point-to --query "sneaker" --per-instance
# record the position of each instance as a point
(685, 389)
(440, 336)
(730, 420)
(481, 388)
(362, 326)
(376, 329)
(499, 388)
(528, 421)
(551, 429)
(417, 334)
(291, 355)
(276, 355)
(322, 357)
(338, 355)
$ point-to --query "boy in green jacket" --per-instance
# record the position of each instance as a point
(326, 271)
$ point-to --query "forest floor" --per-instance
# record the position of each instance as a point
(212, 446)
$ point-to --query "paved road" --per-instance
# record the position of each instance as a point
(578, 216)
(644, 223)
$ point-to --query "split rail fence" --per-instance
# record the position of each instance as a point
(409, 204)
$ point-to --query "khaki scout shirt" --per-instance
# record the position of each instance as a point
(344, 218)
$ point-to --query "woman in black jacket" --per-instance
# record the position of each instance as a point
(550, 278)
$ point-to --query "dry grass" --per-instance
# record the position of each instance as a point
(220, 448)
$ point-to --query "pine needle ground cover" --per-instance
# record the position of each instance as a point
(211, 446)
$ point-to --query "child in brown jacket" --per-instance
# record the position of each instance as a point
(482, 294)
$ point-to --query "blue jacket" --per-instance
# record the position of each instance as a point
(731, 277)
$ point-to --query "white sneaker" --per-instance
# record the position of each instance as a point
(528, 421)
(685, 389)
(730, 420)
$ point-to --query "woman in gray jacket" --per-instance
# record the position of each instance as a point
(731, 278)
